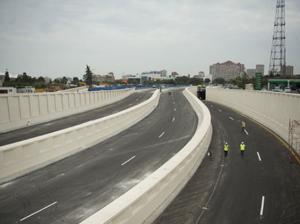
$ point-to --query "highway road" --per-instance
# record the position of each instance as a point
(62, 123)
(261, 187)
(74, 188)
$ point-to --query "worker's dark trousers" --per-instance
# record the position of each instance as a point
(242, 153)
(225, 153)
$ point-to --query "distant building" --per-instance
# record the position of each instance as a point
(8, 90)
(260, 69)
(130, 76)
(201, 74)
(251, 72)
(26, 89)
(163, 73)
(174, 75)
(227, 70)
(104, 78)
(154, 75)
(289, 70)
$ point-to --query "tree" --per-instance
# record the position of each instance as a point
(206, 81)
(64, 80)
(182, 80)
(219, 81)
(40, 82)
(75, 81)
(196, 81)
(88, 76)
(6, 79)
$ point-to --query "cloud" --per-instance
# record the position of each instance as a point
(129, 36)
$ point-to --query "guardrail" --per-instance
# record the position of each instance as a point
(22, 157)
(144, 202)
(23, 110)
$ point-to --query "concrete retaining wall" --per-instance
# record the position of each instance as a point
(22, 110)
(268, 108)
(22, 157)
(144, 202)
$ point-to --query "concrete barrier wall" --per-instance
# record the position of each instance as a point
(268, 108)
(145, 202)
(22, 157)
(22, 110)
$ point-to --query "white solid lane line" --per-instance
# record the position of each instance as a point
(262, 205)
(231, 118)
(173, 119)
(162, 134)
(246, 132)
(128, 160)
(259, 158)
(32, 214)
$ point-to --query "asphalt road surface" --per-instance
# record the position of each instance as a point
(72, 189)
(72, 120)
(261, 187)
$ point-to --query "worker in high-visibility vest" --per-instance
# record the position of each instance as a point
(226, 149)
(242, 148)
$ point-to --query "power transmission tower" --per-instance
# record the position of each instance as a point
(278, 52)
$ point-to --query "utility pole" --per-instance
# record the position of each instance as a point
(278, 52)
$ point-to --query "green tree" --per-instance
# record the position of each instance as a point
(88, 76)
(64, 80)
(206, 81)
(6, 79)
(196, 81)
(219, 81)
(182, 80)
(40, 82)
(75, 81)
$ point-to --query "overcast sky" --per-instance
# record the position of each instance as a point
(59, 37)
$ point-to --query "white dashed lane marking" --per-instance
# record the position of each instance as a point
(127, 161)
(258, 155)
(162, 134)
(34, 213)
(262, 206)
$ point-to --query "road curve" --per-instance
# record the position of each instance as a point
(72, 120)
(261, 187)
(73, 189)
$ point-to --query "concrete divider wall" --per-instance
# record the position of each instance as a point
(268, 108)
(22, 157)
(22, 110)
(144, 202)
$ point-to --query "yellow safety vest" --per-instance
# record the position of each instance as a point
(242, 147)
(226, 148)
